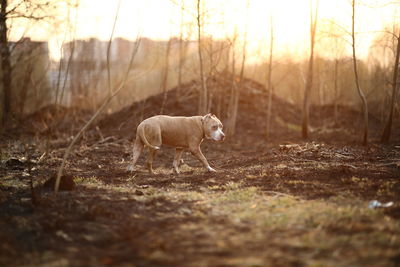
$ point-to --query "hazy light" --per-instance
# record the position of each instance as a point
(160, 19)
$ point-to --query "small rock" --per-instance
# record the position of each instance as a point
(64, 235)
(15, 164)
(185, 211)
(139, 193)
(67, 183)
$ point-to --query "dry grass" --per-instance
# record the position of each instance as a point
(234, 219)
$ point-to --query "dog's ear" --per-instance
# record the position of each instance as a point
(205, 117)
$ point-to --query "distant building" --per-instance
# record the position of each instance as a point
(84, 64)
(26, 45)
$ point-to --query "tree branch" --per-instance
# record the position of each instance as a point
(102, 107)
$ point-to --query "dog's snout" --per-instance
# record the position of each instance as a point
(222, 136)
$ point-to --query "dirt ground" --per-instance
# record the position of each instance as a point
(281, 202)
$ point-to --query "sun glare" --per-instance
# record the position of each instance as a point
(161, 19)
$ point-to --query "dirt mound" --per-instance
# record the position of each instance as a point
(251, 121)
(53, 120)
(252, 115)
(183, 101)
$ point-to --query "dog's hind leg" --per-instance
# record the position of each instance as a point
(177, 159)
(136, 151)
(150, 158)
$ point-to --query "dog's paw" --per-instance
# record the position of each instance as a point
(130, 168)
(211, 169)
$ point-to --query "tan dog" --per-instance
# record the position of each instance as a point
(179, 132)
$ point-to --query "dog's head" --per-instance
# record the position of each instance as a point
(212, 127)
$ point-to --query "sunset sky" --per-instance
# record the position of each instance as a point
(160, 19)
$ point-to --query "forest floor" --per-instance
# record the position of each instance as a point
(285, 202)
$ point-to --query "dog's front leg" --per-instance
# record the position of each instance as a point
(177, 159)
(197, 153)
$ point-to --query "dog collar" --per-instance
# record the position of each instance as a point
(202, 129)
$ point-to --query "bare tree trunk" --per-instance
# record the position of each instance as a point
(243, 56)
(219, 102)
(269, 79)
(67, 72)
(318, 84)
(210, 72)
(360, 91)
(60, 67)
(236, 96)
(395, 84)
(203, 91)
(210, 56)
(236, 93)
(235, 108)
(335, 90)
(308, 86)
(231, 102)
(310, 73)
(24, 89)
(109, 48)
(165, 76)
(181, 55)
(5, 67)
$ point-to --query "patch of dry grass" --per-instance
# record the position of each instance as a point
(340, 231)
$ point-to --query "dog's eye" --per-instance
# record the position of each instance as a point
(215, 127)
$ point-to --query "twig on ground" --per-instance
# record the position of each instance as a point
(349, 165)
(99, 132)
(41, 157)
(279, 194)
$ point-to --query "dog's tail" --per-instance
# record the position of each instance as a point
(142, 137)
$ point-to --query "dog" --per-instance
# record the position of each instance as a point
(183, 133)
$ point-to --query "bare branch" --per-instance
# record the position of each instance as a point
(13, 9)
(109, 47)
(359, 90)
(95, 115)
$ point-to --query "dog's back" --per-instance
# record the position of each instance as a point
(172, 131)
